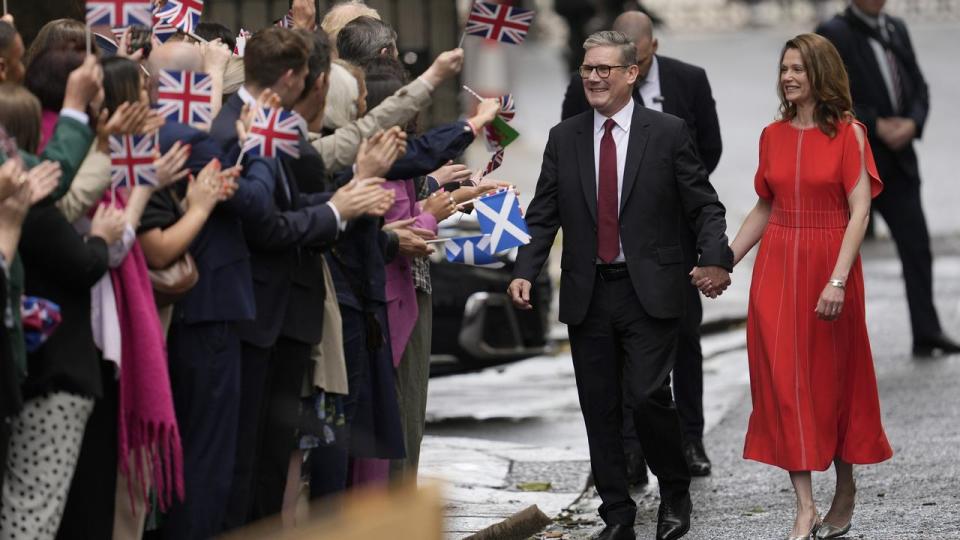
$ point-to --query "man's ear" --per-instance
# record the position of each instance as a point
(655, 45)
(632, 73)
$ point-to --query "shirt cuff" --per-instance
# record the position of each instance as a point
(79, 116)
(427, 83)
(341, 225)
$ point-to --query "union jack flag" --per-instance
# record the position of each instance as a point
(286, 21)
(119, 13)
(494, 163)
(275, 132)
(162, 32)
(508, 107)
(242, 38)
(182, 14)
(184, 96)
(499, 23)
(131, 160)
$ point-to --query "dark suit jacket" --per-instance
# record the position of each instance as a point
(686, 94)
(663, 178)
(224, 291)
(280, 269)
(62, 267)
(850, 36)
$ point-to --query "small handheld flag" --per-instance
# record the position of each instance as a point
(495, 161)
(286, 21)
(119, 13)
(508, 107)
(499, 134)
(473, 250)
(242, 38)
(499, 22)
(184, 96)
(275, 132)
(181, 14)
(131, 160)
(500, 217)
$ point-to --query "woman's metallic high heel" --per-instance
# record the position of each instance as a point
(830, 531)
(812, 535)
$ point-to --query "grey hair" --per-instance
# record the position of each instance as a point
(363, 38)
(612, 38)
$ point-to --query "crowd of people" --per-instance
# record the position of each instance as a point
(182, 357)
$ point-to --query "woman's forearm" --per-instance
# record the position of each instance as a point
(751, 231)
(850, 247)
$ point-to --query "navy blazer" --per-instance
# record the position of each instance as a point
(224, 291)
(430, 151)
(277, 240)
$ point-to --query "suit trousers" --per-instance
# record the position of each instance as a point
(899, 204)
(622, 353)
(204, 360)
(289, 366)
(687, 377)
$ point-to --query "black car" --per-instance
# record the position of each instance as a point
(474, 323)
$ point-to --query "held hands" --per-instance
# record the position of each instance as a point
(711, 280)
(413, 240)
(830, 304)
(519, 291)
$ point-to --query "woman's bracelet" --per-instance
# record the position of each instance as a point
(838, 283)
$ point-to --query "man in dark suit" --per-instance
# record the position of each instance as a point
(677, 88)
(617, 180)
(890, 97)
(288, 282)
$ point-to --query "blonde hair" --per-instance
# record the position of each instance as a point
(341, 14)
(341, 106)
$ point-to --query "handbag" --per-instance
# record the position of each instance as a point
(173, 282)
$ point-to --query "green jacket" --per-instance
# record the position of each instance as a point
(69, 145)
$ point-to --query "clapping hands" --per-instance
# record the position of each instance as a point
(710, 280)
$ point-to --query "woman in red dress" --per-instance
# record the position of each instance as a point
(812, 382)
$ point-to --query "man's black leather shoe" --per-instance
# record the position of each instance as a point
(617, 532)
(929, 347)
(697, 460)
(673, 519)
(636, 469)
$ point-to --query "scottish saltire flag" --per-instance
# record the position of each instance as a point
(184, 96)
(275, 132)
(508, 107)
(500, 218)
(119, 13)
(131, 160)
(286, 21)
(182, 14)
(499, 23)
(498, 134)
(473, 250)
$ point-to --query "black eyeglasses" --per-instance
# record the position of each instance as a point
(602, 71)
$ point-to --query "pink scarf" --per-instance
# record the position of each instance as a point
(147, 421)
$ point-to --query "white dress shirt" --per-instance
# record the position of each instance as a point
(879, 23)
(650, 88)
(621, 136)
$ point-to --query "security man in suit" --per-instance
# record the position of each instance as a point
(890, 97)
(673, 87)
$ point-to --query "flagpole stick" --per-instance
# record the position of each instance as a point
(459, 45)
(196, 37)
(474, 94)
(89, 41)
(5, 12)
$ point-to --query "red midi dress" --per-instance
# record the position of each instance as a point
(812, 382)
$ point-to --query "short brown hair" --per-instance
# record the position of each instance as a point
(20, 115)
(271, 52)
(829, 84)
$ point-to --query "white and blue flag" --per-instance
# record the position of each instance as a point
(473, 250)
(500, 218)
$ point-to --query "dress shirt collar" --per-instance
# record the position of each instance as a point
(653, 75)
(875, 22)
(246, 96)
(621, 117)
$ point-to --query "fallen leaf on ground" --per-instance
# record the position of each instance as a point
(534, 486)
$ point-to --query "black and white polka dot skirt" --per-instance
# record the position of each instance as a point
(41, 458)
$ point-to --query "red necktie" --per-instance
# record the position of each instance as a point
(608, 219)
